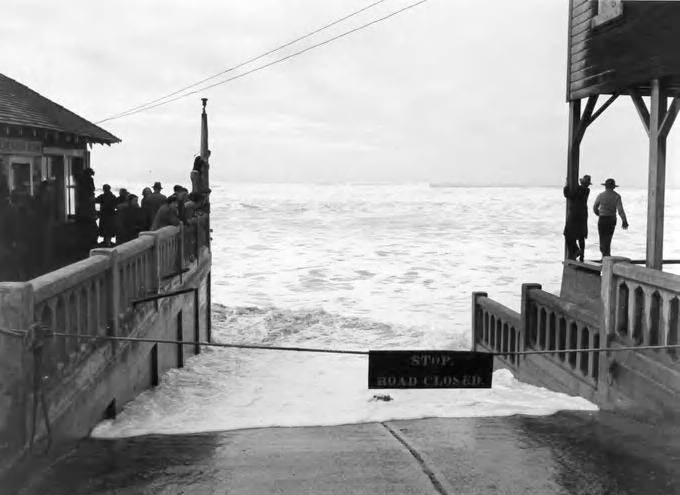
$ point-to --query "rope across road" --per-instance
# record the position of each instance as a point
(48, 334)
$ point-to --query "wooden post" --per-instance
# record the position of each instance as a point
(573, 154)
(574, 145)
(657, 178)
(205, 155)
(476, 324)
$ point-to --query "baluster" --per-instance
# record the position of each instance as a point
(506, 338)
(78, 317)
(631, 310)
(98, 305)
(664, 318)
(647, 316)
(620, 307)
(536, 325)
(591, 355)
(54, 344)
(579, 330)
(66, 327)
(569, 357)
(499, 335)
(91, 316)
(140, 274)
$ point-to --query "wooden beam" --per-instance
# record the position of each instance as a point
(573, 152)
(669, 119)
(641, 108)
(656, 188)
(585, 118)
(574, 145)
(603, 107)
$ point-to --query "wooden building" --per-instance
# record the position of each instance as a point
(630, 48)
(611, 335)
(43, 153)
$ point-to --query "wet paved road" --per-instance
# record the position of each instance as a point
(567, 453)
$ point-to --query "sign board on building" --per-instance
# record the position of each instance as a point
(9, 145)
(429, 369)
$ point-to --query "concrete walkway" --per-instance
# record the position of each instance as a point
(567, 453)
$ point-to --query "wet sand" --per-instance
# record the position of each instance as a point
(566, 453)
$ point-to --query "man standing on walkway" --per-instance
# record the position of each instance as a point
(606, 205)
(107, 214)
(154, 201)
(576, 227)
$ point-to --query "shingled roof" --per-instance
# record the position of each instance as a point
(20, 105)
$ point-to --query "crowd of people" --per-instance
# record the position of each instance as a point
(36, 239)
(124, 216)
(607, 204)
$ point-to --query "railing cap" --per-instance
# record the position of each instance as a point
(69, 276)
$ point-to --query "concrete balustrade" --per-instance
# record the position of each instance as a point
(556, 324)
(635, 307)
(642, 305)
(496, 328)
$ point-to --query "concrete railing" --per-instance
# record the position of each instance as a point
(641, 306)
(95, 296)
(169, 246)
(552, 323)
(496, 328)
(546, 322)
(76, 299)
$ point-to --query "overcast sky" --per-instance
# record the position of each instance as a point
(460, 91)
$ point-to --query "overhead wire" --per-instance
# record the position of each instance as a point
(252, 59)
(269, 64)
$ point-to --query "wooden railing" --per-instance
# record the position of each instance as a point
(551, 323)
(642, 307)
(496, 328)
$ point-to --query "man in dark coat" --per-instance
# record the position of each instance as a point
(154, 201)
(107, 214)
(576, 227)
(85, 193)
(131, 220)
(146, 208)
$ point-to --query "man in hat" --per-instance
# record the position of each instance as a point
(154, 201)
(107, 214)
(576, 227)
(606, 205)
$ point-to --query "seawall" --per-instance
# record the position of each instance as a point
(76, 382)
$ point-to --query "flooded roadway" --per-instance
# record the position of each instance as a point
(566, 453)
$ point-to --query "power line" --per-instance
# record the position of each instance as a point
(261, 67)
(250, 60)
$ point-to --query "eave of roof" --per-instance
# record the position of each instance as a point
(21, 106)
